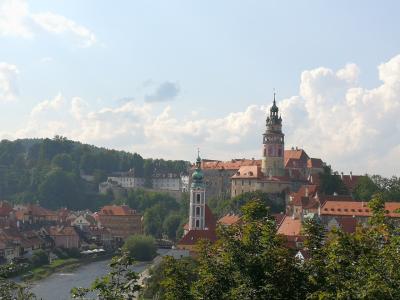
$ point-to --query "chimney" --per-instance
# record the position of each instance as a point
(341, 175)
(351, 175)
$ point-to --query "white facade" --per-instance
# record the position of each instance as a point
(167, 183)
(197, 208)
(127, 182)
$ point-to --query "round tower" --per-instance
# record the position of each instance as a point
(273, 144)
(197, 199)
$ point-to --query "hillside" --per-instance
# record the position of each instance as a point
(48, 171)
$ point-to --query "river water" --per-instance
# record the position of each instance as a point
(58, 285)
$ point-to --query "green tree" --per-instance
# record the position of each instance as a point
(140, 247)
(177, 279)
(39, 258)
(365, 188)
(60, 189)
(121, 283)
(331, 183)
(249, 261)
(64, 162)
(171, 225)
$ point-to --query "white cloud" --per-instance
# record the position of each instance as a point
(334, 118)
(59, 24)
(8, 78)
(17, 20)
(14, 19)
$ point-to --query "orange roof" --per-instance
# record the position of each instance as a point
(60, 231)
(117, 210)
(290, 226)
(298, 200)
(234, 164)
(297, 154)
(229, 219)
(248, 172)
(34, 210)
(193, 236)
(315, 163)
(358, 209)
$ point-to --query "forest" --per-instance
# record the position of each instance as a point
(48, 171)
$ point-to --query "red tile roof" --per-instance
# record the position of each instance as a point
(304, 190)
(358, 209)
(193, 236)
(116, 210)
(290, 226)
(297, 154)
(234, 164)
(61, 231)
(315, 163)
(229, 219)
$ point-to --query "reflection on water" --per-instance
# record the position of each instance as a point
(58, 285)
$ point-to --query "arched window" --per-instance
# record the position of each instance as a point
(197, 223)
(197, 211)
(198, 198)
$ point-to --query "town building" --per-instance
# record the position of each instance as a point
(64, 236)
(122, 221)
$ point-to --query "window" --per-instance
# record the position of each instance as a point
(279, 152)
(197, 211)
(198, 198)
(249, 182)
(242, 182)
(197, 223)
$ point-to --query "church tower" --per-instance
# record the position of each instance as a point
(197, 199)
(273, 144)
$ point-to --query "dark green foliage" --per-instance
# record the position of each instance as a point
(171, 225)
(331, 183)
(186, 270)
(140, 247)
(156, 209)
(221, 207)
(39, 258)
(32, 170)
(121, 283)
(59, 189)
(367, 186)
(176, 279)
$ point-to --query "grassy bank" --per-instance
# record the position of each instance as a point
(58, 265)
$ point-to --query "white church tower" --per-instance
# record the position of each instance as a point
(197, 199)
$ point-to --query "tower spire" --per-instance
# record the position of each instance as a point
(274, 96)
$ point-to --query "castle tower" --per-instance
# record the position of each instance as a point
(273, 144)
(197, 199)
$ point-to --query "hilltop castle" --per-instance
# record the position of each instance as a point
(278, 172)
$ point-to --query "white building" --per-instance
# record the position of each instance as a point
(169, 182)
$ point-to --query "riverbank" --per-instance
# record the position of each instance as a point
(61, 265)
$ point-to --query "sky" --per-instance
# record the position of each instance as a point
(163, 78)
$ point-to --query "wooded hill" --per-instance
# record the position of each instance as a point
(48, 171)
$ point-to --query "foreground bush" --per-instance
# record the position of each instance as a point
(141, 247)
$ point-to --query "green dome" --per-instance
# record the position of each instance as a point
(198, 175)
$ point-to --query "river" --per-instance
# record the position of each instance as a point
(58, 285)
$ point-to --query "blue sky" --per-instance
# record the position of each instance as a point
(164, 77)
